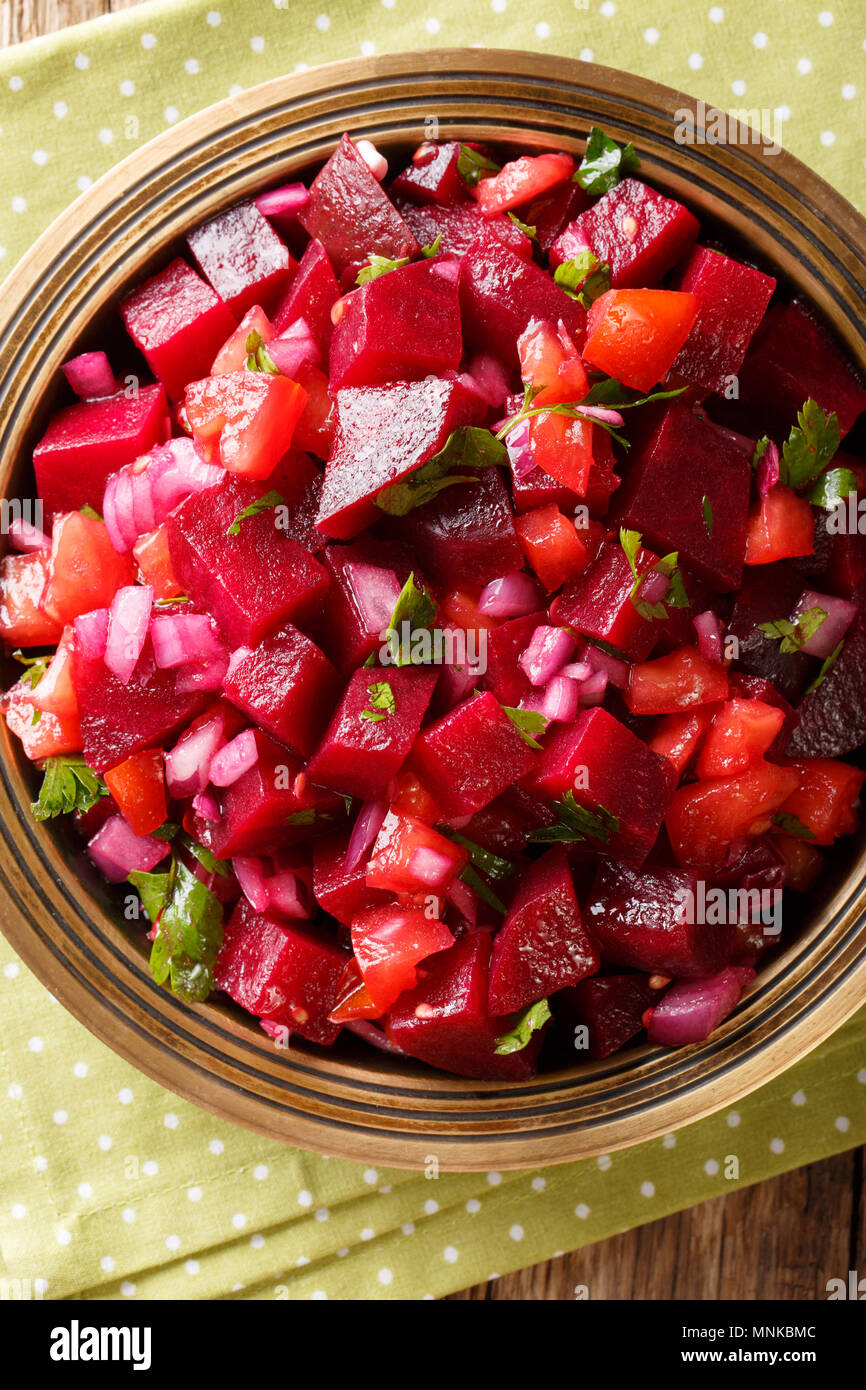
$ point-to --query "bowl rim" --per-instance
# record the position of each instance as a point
(342, 1105)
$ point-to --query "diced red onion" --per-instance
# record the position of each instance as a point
(202, 675)
(430, 866)
(128, 619)
(600, 412)
(90, 376)
(277, 1031)
(373, 1035)
(520, 455)
(250, 874)
(234, 759)
(449, 270)
(592, 691)
(768, 470)
(548, 650)
(840, 615)
(287, 894)
(616, 670)
(373, 158)
(490, 377)
(238, 655)
(25, 536)
(692, 1009)
(295, 348)
(91, 633)
(709, 630)
(140, 496)
(562, 699)
(187, 764)
(653, 586)
(577, 670)
(286, 201)
(376, 591)
(116, 850)
(364, 832)
(571, 242)
(205, 805)
(512, 596)
(181, 637)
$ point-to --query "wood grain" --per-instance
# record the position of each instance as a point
(781, 1239)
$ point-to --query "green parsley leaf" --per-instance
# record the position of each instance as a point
(166, 831)
(528, 723)
(261, 504)
(378, 265)
(258, 357)
(472, 165)
(153, 889)
(608, 391)
(527, 1023)
(165, 602)
(206, 857)
(36, 666)
(68, 785)
(761, 448)
(584, 278)
(428, 252)
(189, 929)
(577, 823)
(305, 817)
(382, 702)
(832, 488)
(35, 716)
(472, 878)
(484, 859)
(415, 606)
(825, 667)
(810, 446)
(466, 447)
(531, 232)
(792, 826)
(87, 510)
(604, 163)
(676, 596)
(706, 508)
(792, 636)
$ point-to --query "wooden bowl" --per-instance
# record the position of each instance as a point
(361, 1105)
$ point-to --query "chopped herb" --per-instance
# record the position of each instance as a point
(206, 858)
(416, 607)
(36, 666)
(610, 392)
(810, 446)
(484, 859)
(258, 357)
(428, 252)
(825, 667)
(378, 265)
(528, 723)
(604, 163)
(531, 232)
(577, 823)
(165, 602)
(166, 831)
(793, 826)
(584, 278)
(832, 488)
(793, 636)
(87, 510)
(188, 919)
(527, 1023)
(572, 409)
(261, 504)
(35, 716)
(305, 817)
(761, 448)
(706, 508)
(466, 447)
(472, 878)
(382, 702)
(68, 784)
(472, 165)
(676, 596)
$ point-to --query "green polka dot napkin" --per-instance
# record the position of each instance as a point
(110, 1186)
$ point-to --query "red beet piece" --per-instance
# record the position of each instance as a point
(610, 1007)
(342, 892)
(458, 226)
(119, 720)
(599, 605)
(551, 214)
(640, 919)
(352, 620)
(383, 433)
(542, 945)
(360, 754)
(298, 478)
(432, 176)
(250, 582)
(504, 676)
(351, 215)
(500, 293)
(466, 535)
(286, 686)
(400, 326)
(470, 755)
(311, 296)
(243, 259)
(832, 719)
(288, 975)
(537, 489)
(791, 359)
(88, 441)
(637, 231)
(272, 805)
(179, 323)
(769, 592)
(688, 490)
(444, 1020)
(733, 299)
(605, 765)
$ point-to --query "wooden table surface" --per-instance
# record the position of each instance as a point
(781, 1239)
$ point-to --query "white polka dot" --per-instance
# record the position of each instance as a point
(849, 91)
(494, 1179)
(83, 182)
(106, 136)
(777, 1146)
(257, 44)
(804, 65)
(40, 1163)
(257, 1241)
(861, 1075)
(498, 6)
(239, 1220)
(170, 1121)
(19, 1211)
(213, 18)
(60, 109)
(191, 66)
(433, 26)
(171, 114)
(473, 1206)
(305, 1198)
(216, 1146)
(148, 41)
(127, 1289)
(711, 1167)
(235, 90)
(542, 30)
(582, 1211)
(260, 1172)
(63, 1237)
(669, 1141)
(11, 970)
(516, 1232)
(695, 61)
(651, 35)
(16, 83)
(384, 1190)
(60, 1117)
(194, 1194)
(40, 1285)
(827, 137)
(371, 1176)
(323, 22)
(385, 1276)
(14, 1092)
(733, 1119)
(105, 1142)
(450, 1254)
(129, 1215)
(150, 1168)
(85, 1190)
(172, 1242)
(35, 1044)
(80, 1070)
(431, 1207)
(760, 40)
(107, 1264)
(368, 48)
(738, 87)
(538, 1184)
(798, 1098)
(319, 1296)
(647, 1189)
(191, 1266)
(127, 88)
(408, 1228)
(782, 113)
(717, 14)
(608, 9)
(302, 1260)
(368, 1233)
(82, 62)
(604, 1162)
(19, 204)
(389, 4)
(825, 19)
(586, 55)
(842, 1123)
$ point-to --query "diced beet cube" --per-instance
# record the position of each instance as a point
(609, 1007)
(250, 582)
(444, 1020)
(637, 231)
(288, 975)
(466, 535)
(298, 478)
(432, 176)
(542, 945)
(459, 225)
(90, 440)
(399, 327)
(243, 258)
(179, 323)
(272, 805)
(500, 293)
(792, 358)
(551, 213)
(362, 596)
(769, 592)
(342, 893)
(383, 433)
(470, 755)
(286, 686)
(832, 718)
(118, 720)
(688, 490)
(351, 215)
(504, 676)
(362, 750)
(733, 300)
(311, 296)
(599, 605)
(605, 765)
(641, 919)
(536, 489)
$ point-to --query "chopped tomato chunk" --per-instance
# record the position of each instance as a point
(823, 804)
(138, 787)
(522, 179)
(635, 335)
(675, 682)
(389, 942)
(246, 418)
(781, 527)
(739, 735)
